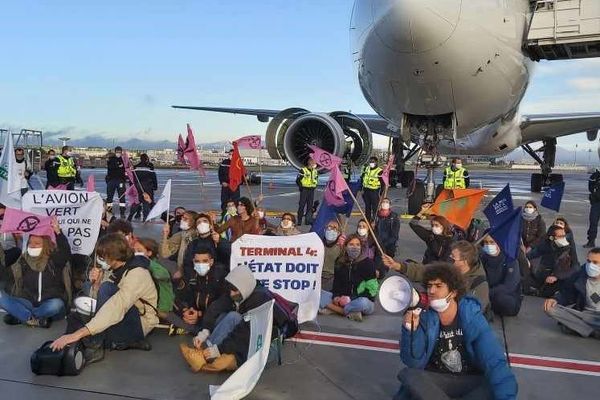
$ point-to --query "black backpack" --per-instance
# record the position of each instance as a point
(285, 316)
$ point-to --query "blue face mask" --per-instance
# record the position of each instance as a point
(490, 249)
(201, 268)
(331, 235)
(592, 270)
(353, 252)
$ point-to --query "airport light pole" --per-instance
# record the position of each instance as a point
(575, 160)
(64, 140)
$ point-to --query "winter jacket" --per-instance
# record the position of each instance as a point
(533, 232)
(438, 246)
(503, 277)
(221, 251)
(115, 169)
(239, 227)
(145, 178)
(136, 288)
(200, 292)
(574, 291)
(51, 168)
(349, 274)
(387, 230)
(332, 252)
(177, 244)
(162, 280)
(482, 348)
(560, 262)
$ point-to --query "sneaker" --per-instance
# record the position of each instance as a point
(355, 316)
(590, 244)
(10, 320)
(39, 322)
(325, 311)
(174, 331)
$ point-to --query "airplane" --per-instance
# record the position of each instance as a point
(445, 77)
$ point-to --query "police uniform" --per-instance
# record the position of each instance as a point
(456, 179)
(307, 182)
(594, 188)
(115, 181)
(371, 185)
(66, 171)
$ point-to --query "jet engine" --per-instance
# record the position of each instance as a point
(341, 133)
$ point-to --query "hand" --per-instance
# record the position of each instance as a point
(104, 223)
(213, 215)
(391, 263)
(166, 230)
(215, 237)
(225, 184)
(63, 341)
(211, 352)
(55, 225)
(336, 300)
(177, 275)
(260, 198)
(191, 316)
(414, 316)
(201, 338)
(341, 240)
(551, 279)
(95, 275)
(549, 304)
(146, 197)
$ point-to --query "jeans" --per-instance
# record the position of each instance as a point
(129, 329)
(118, 186)
(360, 304)
(418, 384)
(226, 323)
(594, 218)
(371, 198)
(23, 310)
(307, 196)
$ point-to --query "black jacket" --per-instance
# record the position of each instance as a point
(145, 178)
(438, 246)
(594, 187)
(533, 232)
(200, 292)
(560, 262)
(387, 230)
(574, 291)
(503, 277)
(224, 170)
(348, 275)
(51, 168)
(115, 169)
(221, 252)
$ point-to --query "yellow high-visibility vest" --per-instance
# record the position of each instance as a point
(455, 179)
(66, 168)
(371, 178)
(310, 177)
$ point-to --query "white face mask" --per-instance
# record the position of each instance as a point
(34, 251)
(331, 235)
(118, 154)
(529, 210)
(69, 153)
(203, 228)
(458, 166)
(491, 249)
(140, 253)
(372, 165)
(231, 210)
(201, 268)
(439, 305)
(592, 270)
(261, 214)
(437, 230)
(362, 231)
(286, 224)
(52, 157)
(103, 264)
(385, 206)
(561, 242)
(184, 226)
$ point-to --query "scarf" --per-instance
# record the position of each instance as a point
(530, 217)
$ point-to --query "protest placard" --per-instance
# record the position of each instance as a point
(78, 213)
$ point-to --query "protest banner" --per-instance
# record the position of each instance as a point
(290, 266)
(78, 214)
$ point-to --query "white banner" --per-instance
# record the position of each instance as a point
(10, 182)
(162, 204)
(78, 213)
(242, 381)
(290, 266)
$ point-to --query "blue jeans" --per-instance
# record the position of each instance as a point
(226, 323)
(23, 310)
(360, 304)
(129, 329)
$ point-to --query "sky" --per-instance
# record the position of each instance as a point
(113, 68)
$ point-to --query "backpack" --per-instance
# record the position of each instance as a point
(285, 316)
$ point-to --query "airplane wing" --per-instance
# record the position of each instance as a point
(542, 126)
(376, 123)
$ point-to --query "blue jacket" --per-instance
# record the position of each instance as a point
(481, 345)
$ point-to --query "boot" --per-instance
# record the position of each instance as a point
(93, 351)
(225, 362)
(10, 320)
(193, 356)
(590, 244)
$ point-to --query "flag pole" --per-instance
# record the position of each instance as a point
(365, 217)
(260, 169)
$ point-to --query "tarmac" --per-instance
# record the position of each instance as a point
(331, 358)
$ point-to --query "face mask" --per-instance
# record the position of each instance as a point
(331, 235)
(372, 165)
(52, 157)
(201, 268)
(362, 231)
(34, 251)
(529, 210)
(437, 230)
(118, 154)
(203, 228)
(286, 224)
(490, 249)
(458, 166)
(184, 226)
(353, 252)
(103, 264)
(440, 305)
(592, 269)
(561, 242)
(261, 214)
(140, 253)
(385, 206)
(231, 210)
(69, 153)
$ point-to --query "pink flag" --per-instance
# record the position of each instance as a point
(191, 153)
(335, 188)
(323, 158)
(180, 150)
(17, 221)
(91, 183)
(249, 142)
(60, 186)
(385, 176)
(128, 167)
(132, 195)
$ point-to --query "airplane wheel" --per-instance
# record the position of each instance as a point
(415, 200)
(406, 177)
(536, 183)
(556, 178)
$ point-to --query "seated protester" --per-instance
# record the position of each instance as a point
(126, 304)
(244, 222)
(449, 350)
(366, 241)
(178, 243)
(123, 227)
(387, 229)
(438, 239)
(332, 251)
(223, 345)
(229, 212)
(355, 283)
(42, 282)
(558, 261)
(504, 279)
(146, 247)
(287, 227)
(196, 294)
(576, 306)
(533, 228)
(206, 237)
(176, 220)
(563, 223)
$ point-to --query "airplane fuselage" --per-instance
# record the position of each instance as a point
(462, 58)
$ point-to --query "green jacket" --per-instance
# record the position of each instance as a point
(162, 278)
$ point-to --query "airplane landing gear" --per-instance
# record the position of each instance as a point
(425, 191)
(546, 178)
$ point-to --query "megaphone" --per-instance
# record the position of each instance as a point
(397, 295)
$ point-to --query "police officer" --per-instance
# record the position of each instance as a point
(347, 169)
(594, 188)
(115, 179)
(66, 168)
(51, 167)
(226, 193)
(455, 176)
(371, 186)
(307, 182)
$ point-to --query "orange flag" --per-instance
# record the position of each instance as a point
(458, 205)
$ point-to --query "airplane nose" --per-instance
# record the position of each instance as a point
(415, 26)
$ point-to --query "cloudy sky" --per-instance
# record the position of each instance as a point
(114, 68)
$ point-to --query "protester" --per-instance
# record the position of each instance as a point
(533, 228)
(244, 222)
(206, 237)
(371, 185)
(51, 167)
(66, 169)
(307, 180)
(178, 243)
(176, 220)
(503, 277)
(226, 193)
(355, 283)
(146, 247)
(332, 251)
(563, 223)
(366, 240)
(558, 261)
(387, 230)
(449, 349)
(576, 306)
(145, 182)
(455, 176)
(594, 216)
(229, 212)
(287, 227)
(266, 228)
(42, 283)
(126, 304)
(24, 170)
(115, 179)
(123, 227)
(438, 239)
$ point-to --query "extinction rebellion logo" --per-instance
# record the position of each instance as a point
(4, 172)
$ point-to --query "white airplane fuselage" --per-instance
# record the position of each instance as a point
(436, 57)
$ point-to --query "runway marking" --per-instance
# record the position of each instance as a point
(553, 364)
